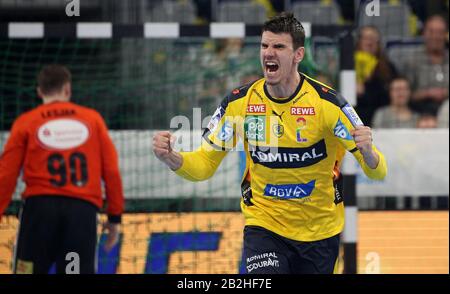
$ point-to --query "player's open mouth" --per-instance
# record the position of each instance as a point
(271, 66)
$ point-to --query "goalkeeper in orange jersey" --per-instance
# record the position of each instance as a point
(295, 132)
(65, 152)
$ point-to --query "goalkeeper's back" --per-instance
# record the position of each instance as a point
(63, 148)
(65, 152)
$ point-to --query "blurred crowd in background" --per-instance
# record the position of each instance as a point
(401, 57)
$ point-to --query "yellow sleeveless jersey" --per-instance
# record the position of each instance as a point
(293, 147)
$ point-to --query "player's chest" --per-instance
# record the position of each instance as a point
(282, 124)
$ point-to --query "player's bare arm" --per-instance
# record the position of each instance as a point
(363, 139)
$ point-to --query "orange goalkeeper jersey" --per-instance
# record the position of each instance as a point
(64, 150)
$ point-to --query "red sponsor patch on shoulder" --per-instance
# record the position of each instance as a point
(256, 108)
(303, 111)
(235, 91)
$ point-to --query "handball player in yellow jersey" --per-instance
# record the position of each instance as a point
(295, 132)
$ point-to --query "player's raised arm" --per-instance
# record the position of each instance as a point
(197, 165)
(362, 135)
(162, 148)
(218, 137)
(347, 127)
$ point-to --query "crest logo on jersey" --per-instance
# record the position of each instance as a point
(301, 125)
(341, 131)
(303, 111)
(255, 128)
(351, 114)
(278, 130)
(290, 191)
(256, 108)
(63, 134)
(226, 133)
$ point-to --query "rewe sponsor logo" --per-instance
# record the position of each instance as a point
(256, 108)
(303, 111)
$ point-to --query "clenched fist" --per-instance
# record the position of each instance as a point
(162, 147)
(363, 139)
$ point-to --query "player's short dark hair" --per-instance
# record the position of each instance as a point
(285, 22)
(52, 78)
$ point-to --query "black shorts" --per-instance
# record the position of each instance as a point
(50, 228)
(268, 253)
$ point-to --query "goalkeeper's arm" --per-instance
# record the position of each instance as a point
(198, 165)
